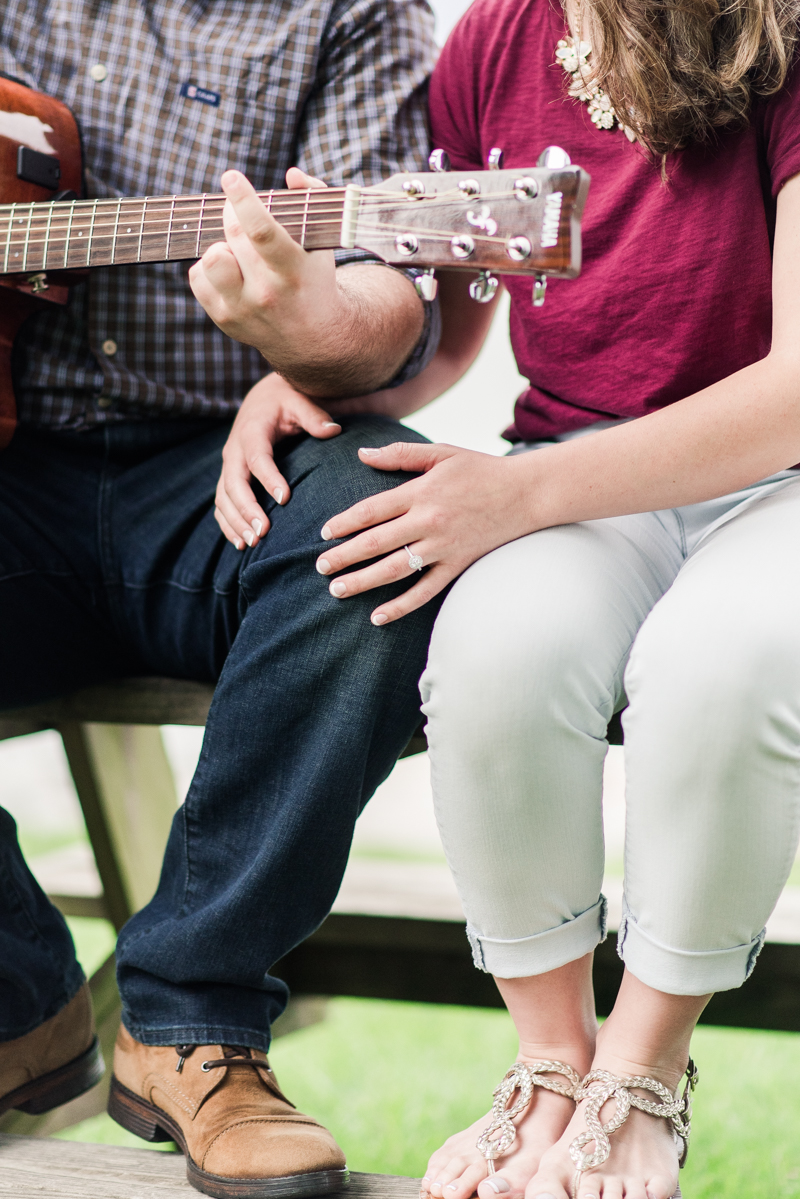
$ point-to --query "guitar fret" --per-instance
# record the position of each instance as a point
(47, 237)
(197, 250)
(8, 235)
(68, 231)
(141, 232)
(27, 239)
(116, 229)
(169, 226)
(305, 220)
(91, 234)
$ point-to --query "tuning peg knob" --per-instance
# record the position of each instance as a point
(483, 288)
(554, 158)
(439, 160)
(494, 159)
(426, 286)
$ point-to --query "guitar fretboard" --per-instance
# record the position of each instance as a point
(82, 233)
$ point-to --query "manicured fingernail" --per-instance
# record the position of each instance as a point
(379, 618)
(323, 566)
(326, 533)
(331, 424)
(249, 536)
(369, 451)
(498, 1185)
(278, 493)
(257, 525)
(544, 1195)
(239, 544)
(452, 1186)
(338, 588)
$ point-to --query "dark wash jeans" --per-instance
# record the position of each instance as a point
(111, 564)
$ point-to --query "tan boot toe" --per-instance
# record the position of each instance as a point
(223, 1106)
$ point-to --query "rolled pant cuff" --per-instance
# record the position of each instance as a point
(684, 972)
(543, 951)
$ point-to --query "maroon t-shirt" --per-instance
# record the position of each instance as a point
(675, 291)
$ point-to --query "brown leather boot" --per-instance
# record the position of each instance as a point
(222, 1105)
(54, 1063)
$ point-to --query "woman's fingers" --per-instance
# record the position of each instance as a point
(375, 510)
(412, 456)
(374, 543)
(431, 583)
(388, 570)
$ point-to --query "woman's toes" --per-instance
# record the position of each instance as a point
(659, 1187)
(465, 1185)
(545, 1186)
(496, 1185)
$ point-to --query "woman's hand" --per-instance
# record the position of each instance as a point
(270, 411)
(463, 505)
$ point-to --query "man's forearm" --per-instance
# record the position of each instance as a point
(363, 342)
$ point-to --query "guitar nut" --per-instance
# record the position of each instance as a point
(462, 246)
(406, 243)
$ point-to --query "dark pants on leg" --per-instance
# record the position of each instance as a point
(111, 564)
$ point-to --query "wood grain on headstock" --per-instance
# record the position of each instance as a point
(550, 220)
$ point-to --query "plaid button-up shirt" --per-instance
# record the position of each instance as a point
(168, 94)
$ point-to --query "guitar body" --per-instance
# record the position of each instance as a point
(47, 130)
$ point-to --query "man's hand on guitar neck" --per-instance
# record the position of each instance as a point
(331, 332)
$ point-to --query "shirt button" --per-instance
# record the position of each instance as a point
(99, 72)
(104, 402)
(109, 348)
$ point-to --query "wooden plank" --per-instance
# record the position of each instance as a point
(123, 701)
(31, 1168)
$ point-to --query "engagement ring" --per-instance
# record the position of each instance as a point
(414, 560)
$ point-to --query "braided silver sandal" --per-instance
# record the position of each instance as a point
(498, 1138)
(600, 1086)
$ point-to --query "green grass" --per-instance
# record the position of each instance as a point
(392, 1080)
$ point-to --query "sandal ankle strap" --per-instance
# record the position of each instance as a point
(600, 1085)
(499, 1136)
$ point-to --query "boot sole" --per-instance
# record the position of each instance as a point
(59, 1086)
(153, 1124)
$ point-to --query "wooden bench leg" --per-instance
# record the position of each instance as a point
(127, 793)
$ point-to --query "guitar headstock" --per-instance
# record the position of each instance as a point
(525, 221)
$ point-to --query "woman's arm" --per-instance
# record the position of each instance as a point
(721, 439)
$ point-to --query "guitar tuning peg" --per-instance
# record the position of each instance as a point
(494, 160)
(554, 158)
(426, 285)
(483, 288)
(539, 290)
(439, 160)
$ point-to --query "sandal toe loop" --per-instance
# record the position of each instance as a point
(499, 1136)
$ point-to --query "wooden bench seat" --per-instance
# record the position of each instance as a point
(41, 1169)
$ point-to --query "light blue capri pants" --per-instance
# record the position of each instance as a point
(692, 617)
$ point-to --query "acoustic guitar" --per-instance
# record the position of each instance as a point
(525, 221)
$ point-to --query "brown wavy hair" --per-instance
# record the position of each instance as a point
(677, 71)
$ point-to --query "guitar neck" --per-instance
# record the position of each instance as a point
(89, 233)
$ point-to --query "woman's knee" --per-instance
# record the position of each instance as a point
(516, 649)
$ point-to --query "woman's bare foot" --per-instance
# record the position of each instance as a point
(643, 1163)
(458, 1169)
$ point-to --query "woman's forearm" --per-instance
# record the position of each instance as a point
(719, 440)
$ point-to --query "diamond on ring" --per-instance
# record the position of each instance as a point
(414, 560)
